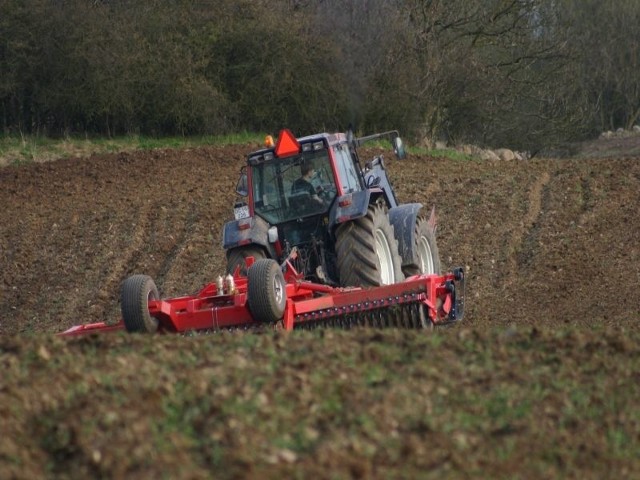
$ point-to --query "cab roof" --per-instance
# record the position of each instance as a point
(327, 139)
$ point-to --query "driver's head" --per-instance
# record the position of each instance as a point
(306, 169)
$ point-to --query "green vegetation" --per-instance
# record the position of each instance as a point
(37, 148)
(401, 404)
(449, 153)
(521, 74)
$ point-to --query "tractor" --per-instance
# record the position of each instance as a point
(319, 241)
(311, 196)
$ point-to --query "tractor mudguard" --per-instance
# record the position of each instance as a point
(404, 218)
(237, 233)
(355, 205)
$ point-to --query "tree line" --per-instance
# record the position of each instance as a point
(519, 73)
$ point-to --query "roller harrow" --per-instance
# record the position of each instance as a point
(274, 296)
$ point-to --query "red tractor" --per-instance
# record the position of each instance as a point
(320, 241)
(312, 195)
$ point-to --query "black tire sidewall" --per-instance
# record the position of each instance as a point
(357, 259)
(261, 294)
(134, 302)
(423, 230)
(236, 256)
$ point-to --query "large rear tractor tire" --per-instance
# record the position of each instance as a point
(135, 293)
(266, 291)
(427, 257)
(236, 257)
(367, 250)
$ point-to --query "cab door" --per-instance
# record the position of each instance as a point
(348, 174)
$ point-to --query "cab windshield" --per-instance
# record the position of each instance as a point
(294, 187)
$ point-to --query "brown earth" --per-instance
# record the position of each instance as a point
(546, 243)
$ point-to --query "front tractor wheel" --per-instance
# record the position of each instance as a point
(266, 291)
(367, 250)
(426, 256)
(135, 294)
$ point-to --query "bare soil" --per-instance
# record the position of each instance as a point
(549, 245)
(544, 241)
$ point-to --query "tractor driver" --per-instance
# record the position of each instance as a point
(304, 185)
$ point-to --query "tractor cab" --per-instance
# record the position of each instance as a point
(298, 178)
(291, 190)
(308, 200)
(293, 187)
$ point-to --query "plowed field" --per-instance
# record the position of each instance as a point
(541, 378)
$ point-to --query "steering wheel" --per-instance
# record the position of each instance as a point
(326, 191)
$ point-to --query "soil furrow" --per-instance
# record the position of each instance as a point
(72, 230)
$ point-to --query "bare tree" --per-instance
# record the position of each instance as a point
(605, 38)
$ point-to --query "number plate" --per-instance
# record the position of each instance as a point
(241, 212)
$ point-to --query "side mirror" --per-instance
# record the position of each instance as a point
(242, 188)
(398, 148)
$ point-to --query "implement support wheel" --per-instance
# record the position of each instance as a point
(135, 294)
(266, 291)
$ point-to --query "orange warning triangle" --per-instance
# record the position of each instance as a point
(286, 144)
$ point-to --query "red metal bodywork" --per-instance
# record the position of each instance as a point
(210, 309)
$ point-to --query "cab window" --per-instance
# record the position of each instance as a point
(294, 187)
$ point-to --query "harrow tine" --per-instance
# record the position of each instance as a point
(411, 315)
(414, 318)
(384, 319)
(377, 319)
(403, 319)
(388, 318)
(397, 317)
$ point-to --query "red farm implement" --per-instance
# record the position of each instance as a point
(269, 298)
